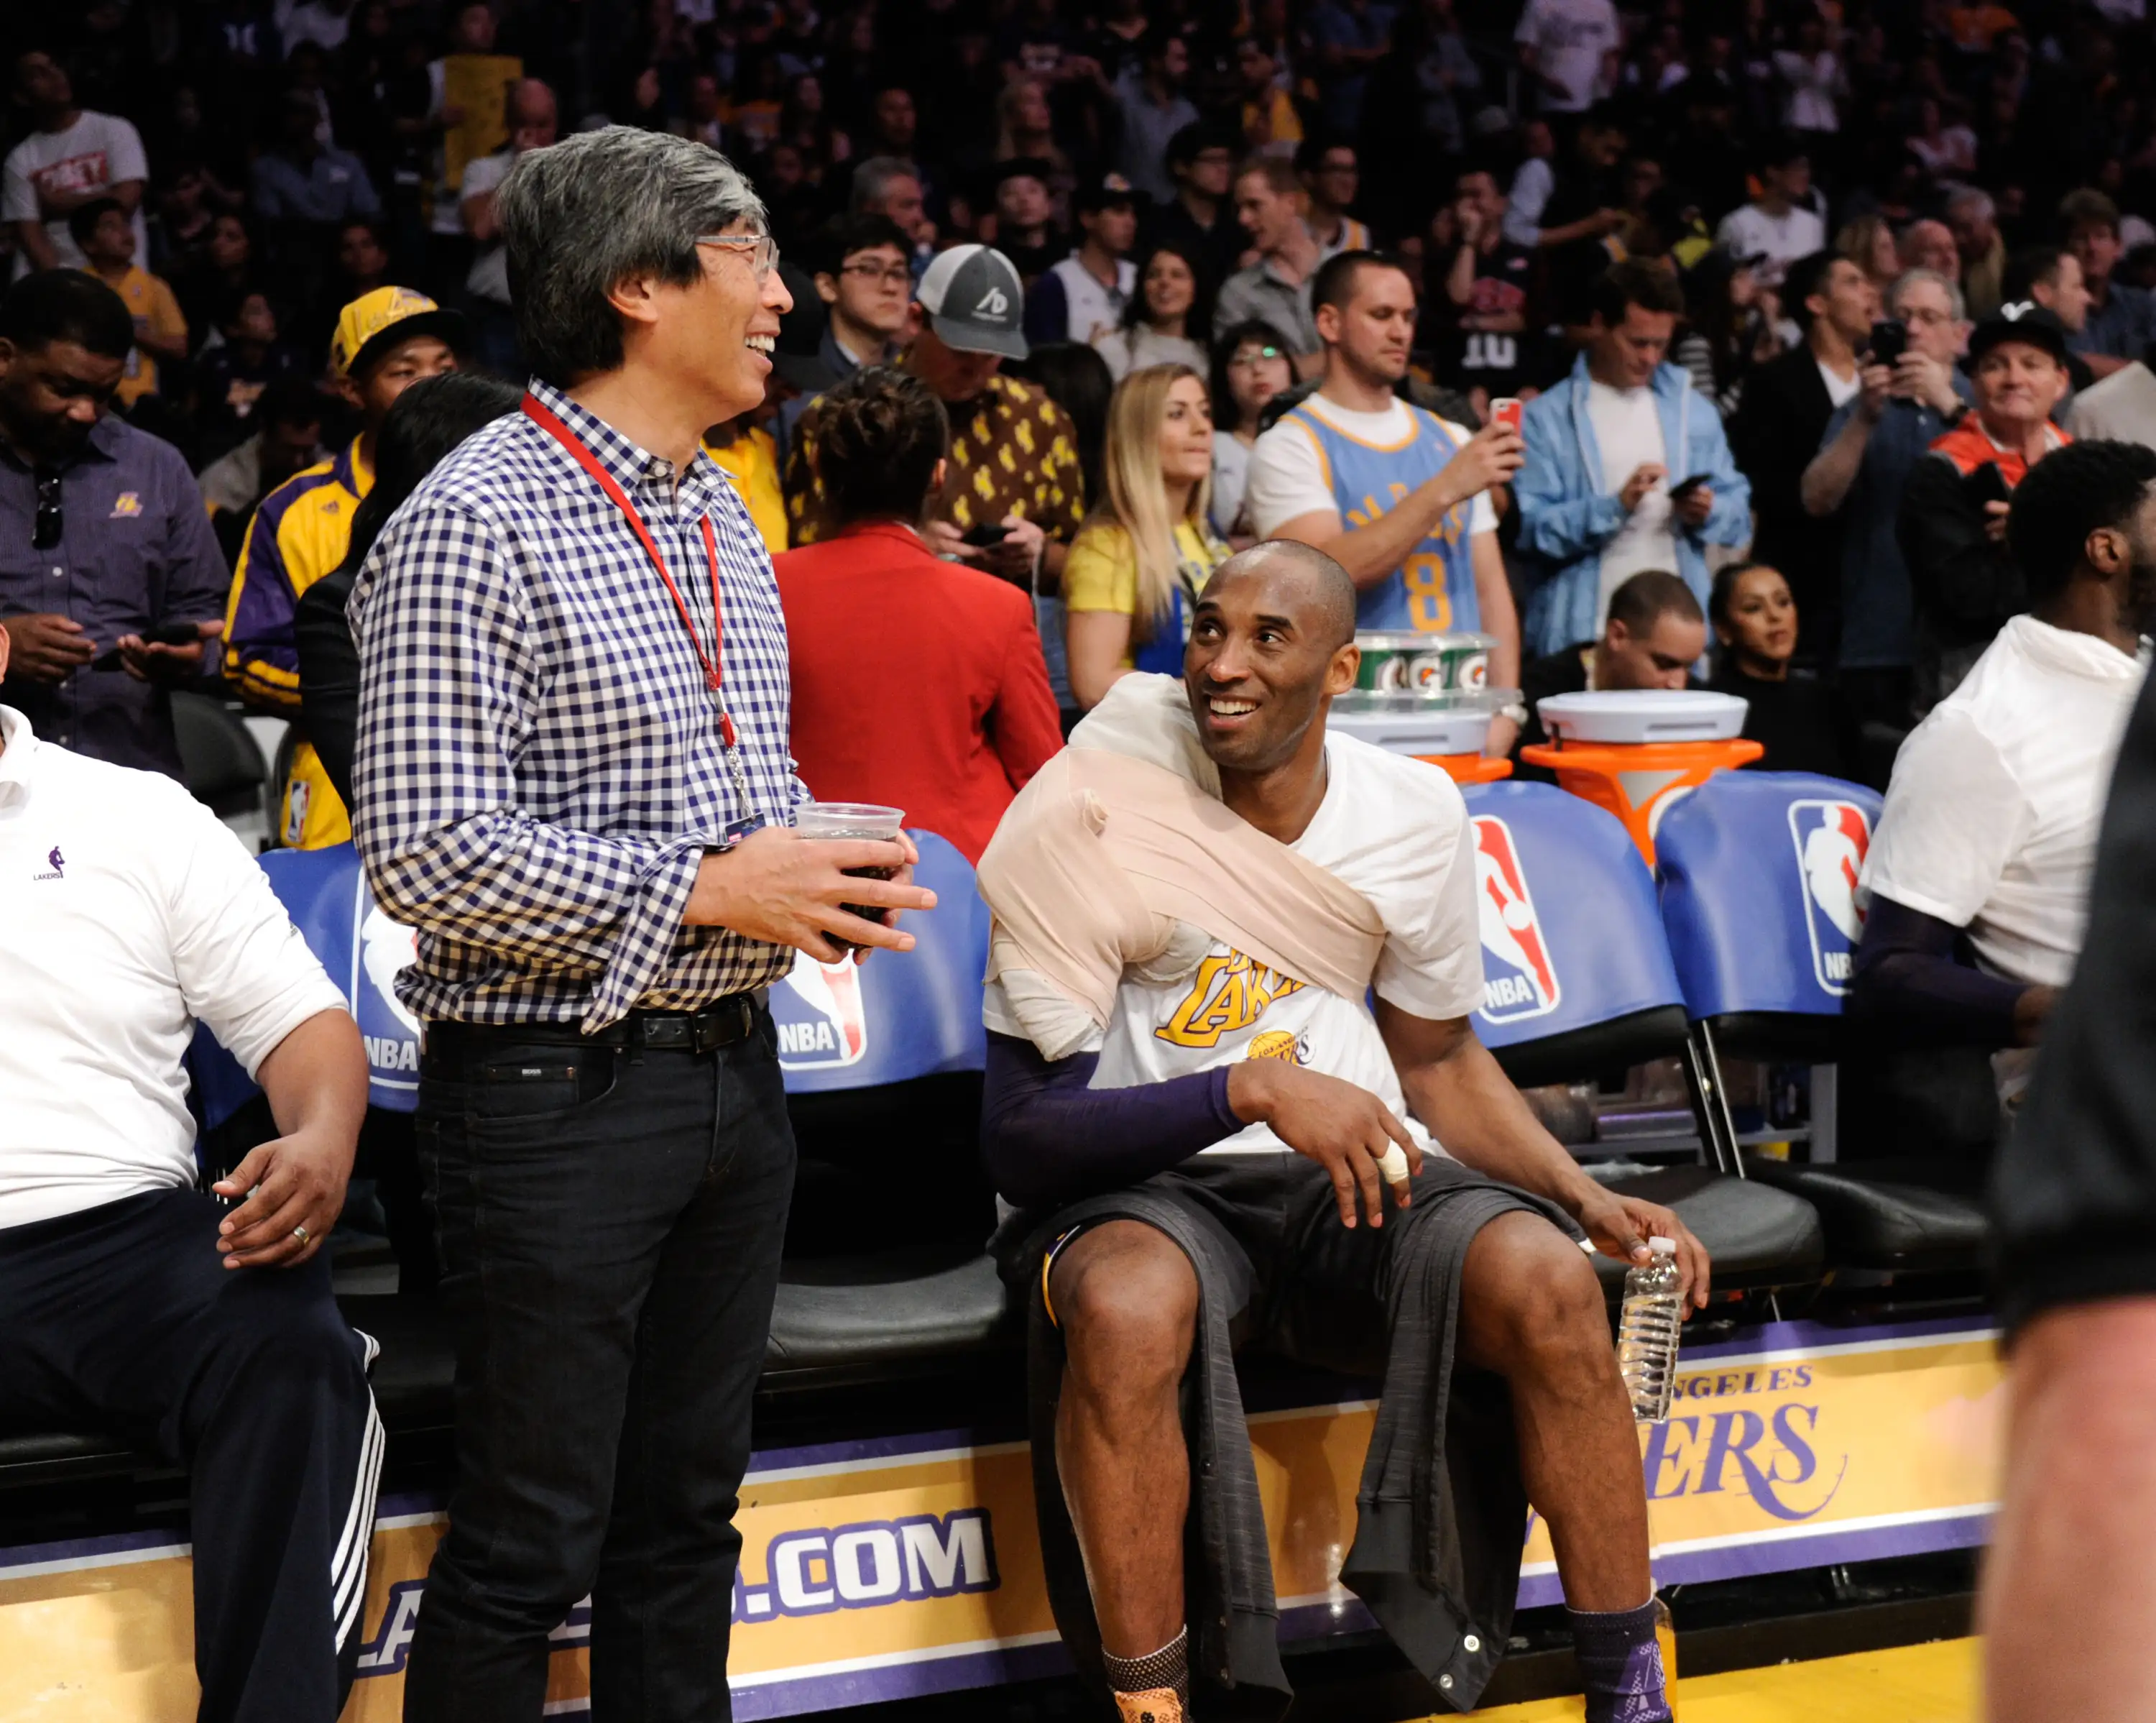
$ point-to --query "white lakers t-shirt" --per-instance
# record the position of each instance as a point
(1395, 830)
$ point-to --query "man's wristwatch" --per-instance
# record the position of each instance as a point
(1515, 711)
(734, 831)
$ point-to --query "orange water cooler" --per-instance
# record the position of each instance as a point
(1637, 752)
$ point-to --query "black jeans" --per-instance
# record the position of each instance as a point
(124, 1316)
(609, 1224)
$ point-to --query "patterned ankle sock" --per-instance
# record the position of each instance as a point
(1621, 1664)
(1155, 1687)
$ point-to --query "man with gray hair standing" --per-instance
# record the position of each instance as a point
(1864, 456)
(573, 779)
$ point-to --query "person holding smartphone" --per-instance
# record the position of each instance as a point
(1955, 508)
(111, 582)
(1428, 559)
(1906, 402)
(1602, 449)
(1013, 460)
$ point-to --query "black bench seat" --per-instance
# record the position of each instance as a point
(1906, 1216)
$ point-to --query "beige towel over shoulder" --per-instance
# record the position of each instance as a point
(1121, 846)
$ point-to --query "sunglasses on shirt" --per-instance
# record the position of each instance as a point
(51, 523)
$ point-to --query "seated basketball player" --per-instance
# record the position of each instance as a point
(1218, 1139)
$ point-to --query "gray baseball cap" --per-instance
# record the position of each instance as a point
(975, 302)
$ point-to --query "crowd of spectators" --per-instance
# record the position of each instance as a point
(1731, 202)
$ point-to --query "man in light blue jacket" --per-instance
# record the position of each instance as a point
(1626, 467)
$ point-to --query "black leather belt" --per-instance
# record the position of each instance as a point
(720, 1024)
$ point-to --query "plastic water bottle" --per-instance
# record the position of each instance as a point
(1647, 1330)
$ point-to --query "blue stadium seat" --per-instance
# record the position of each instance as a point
(1578, 981)
(1576, 974)
(885, 1271)
(1758, 898)
(894, 1018)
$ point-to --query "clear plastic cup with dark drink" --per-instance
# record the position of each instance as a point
(854, 820)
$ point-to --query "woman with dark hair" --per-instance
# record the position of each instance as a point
(1729, 328)
(978, 718)
(1251, 365)
(428, 420)
(1805, 725)
(1167, 319)
(1075, 378)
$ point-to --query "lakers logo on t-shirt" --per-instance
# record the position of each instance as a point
(1278, 1044)
(1228, 993)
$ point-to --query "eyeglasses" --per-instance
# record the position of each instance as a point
(51, 522)
(1254, 356)
(894, 275)
(762, 249)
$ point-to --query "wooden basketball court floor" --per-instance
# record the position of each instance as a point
(1910, 1684)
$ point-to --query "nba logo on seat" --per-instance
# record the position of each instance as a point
(821, 1018)
(1831, 838)
(1518, 978)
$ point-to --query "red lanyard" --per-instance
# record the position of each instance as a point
(548, 421)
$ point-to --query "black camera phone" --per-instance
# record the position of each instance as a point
(1987, 484)
(1890, 340)
(982, 536)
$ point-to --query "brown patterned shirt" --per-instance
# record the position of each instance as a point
(1013, 451)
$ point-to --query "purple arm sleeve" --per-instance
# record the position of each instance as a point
(1047, 1138)
(1908, 983)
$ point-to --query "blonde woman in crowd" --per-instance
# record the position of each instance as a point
(1138, 565)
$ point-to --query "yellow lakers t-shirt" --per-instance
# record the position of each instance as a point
(1101, 572)
(151, 303)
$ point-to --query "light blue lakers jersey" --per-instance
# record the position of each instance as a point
(1434, 590)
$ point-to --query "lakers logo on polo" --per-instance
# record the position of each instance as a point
(1228, 993)
(55, 866)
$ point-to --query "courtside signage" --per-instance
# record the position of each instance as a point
(877, 1570)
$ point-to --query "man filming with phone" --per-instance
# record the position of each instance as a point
(1910, 391)
(1953, 522)
(1428, 560)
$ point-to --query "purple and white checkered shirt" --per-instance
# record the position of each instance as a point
(540, 768)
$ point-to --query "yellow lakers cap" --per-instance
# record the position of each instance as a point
(372, 315)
